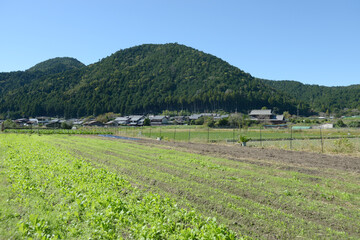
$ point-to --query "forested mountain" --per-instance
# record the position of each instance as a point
(57, 65)
(321, 98)
(143, 79)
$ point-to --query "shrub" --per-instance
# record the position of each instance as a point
(66, 125)
(340, 123)
(354, 124)
(343, 145)
(147, 122)
(223, 122)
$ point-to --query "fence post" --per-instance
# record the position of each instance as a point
(208, 135)
(234, 136)
(260, 137)
(189, 135)
(174, 133)
(291, 136)
(160, 132)
(321, 140)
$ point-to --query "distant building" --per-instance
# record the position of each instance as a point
(122, 120)
(33, 121)
(266, 116)
(21, 122)
(180, 120)
(219, 117)
(195, 116)
(56, 123)
(93, 124)
(111, 124)
(136, 120)
(158, 120)
(43, 120)
(324, 126)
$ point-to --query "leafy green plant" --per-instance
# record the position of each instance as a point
(244, 140)
(64, 197)
(343, 145)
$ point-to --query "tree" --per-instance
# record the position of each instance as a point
(286, 115)
(9, 124)
(147, 122)
(223, 122)
(66, 125)
(340, 123)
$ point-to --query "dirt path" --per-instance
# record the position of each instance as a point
(290, 160)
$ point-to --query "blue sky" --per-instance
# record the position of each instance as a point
(311, 41)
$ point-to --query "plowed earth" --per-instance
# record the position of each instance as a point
(291, 160)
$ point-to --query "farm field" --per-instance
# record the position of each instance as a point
(46, 193)
(204, 134)
(331, 141)
(258, 193)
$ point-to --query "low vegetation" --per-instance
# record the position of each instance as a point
(46, 193)
(256, 200)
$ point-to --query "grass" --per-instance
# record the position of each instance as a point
(256, 201)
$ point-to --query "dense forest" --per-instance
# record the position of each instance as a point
(321, 98)
(143, 79)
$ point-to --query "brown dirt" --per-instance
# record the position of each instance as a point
(288, 160)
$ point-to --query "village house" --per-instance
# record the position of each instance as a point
(33, 121)
(56, 123)
(195, 116)
(43, 120)
(21, 122)
(111, 124)
(122, 120)
(136, 120)
(219, 117)
(158, 120)
(180, 120)
(266, 116)
(93, 124)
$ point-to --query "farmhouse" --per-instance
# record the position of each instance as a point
(195, 116)
(158, 120)
(43, 120)
(111, 124)
(266, 116)
(219, 117)
(180, 120)
(122, 120)
(56, 123)
(94, 124)
(21, 122)
(33, 121)
(136, 120)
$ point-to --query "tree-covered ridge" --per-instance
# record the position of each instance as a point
(143, 79)
(57, 65)
(321, 98)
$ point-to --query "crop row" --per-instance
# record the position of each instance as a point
(259, 201)
(46, 193)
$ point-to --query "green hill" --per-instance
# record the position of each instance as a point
(57, 65)
(143, 79)
(321, 98)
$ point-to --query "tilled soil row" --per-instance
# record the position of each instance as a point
(290, 160)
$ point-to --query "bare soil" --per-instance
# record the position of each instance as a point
(304, 162)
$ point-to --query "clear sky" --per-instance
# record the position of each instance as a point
(311, 41)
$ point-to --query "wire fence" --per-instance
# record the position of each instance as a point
(317, 140)
(342, 140)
